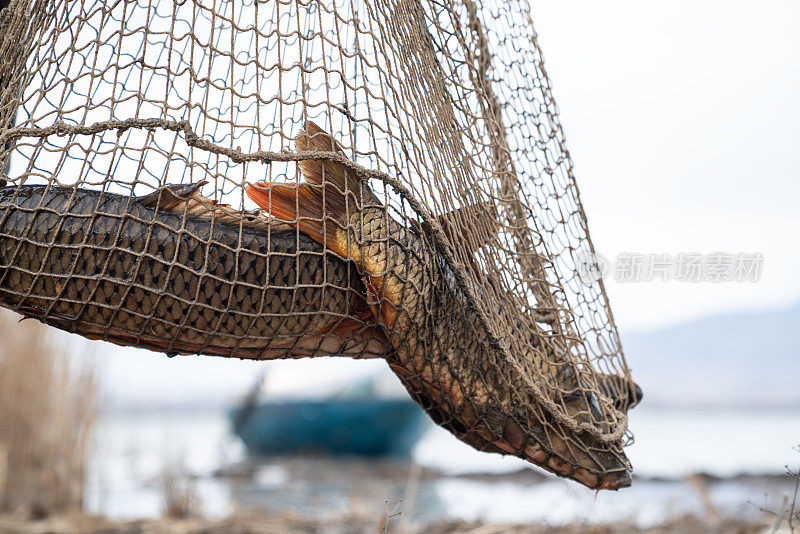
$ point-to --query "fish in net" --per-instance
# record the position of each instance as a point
(276, 179)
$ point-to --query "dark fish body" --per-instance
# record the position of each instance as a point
(112, 267)
(451, 363)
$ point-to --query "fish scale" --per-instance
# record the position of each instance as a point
(105, 267)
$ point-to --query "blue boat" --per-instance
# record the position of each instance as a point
(353, 421)
(352, 427)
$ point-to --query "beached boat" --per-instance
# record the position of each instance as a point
(360, 427)
(357, 421)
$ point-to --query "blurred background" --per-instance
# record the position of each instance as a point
(683, 122)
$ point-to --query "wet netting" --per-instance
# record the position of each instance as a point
(286, 179)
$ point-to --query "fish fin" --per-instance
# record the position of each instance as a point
(319, 207)
(347, 327)
(332, 174)
(302, 206)
(187, 199)
(373, 298)
(59, 320)
(476, 223)
(172, 197)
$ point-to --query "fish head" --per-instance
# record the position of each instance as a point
(565, 450)
(563, 445)
(527, 430)
(571, 451)
(578, 454)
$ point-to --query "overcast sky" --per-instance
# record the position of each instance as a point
(684, 125)
(683, 121)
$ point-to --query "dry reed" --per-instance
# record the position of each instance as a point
(180, 499)
(47, 410)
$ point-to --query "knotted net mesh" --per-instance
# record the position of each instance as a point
(290, 178)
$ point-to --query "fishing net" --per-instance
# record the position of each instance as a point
(449, 236)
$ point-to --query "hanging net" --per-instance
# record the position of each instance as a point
(285, 179)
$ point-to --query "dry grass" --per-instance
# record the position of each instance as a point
(47, 411)
(789, 510)
(180, 499)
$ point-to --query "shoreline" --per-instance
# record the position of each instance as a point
(260, 523)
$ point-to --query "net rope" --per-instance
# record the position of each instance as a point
(449, 238)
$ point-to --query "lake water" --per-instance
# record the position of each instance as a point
(446, 477)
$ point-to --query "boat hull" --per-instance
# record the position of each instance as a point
(338, 428)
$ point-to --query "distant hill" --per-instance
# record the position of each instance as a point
(739, 359)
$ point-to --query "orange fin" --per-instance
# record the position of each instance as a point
(319, 207)
(302, 206)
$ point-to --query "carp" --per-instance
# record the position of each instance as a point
(177, 273)
(444, 356)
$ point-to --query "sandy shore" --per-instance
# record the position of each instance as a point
(288, 524)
